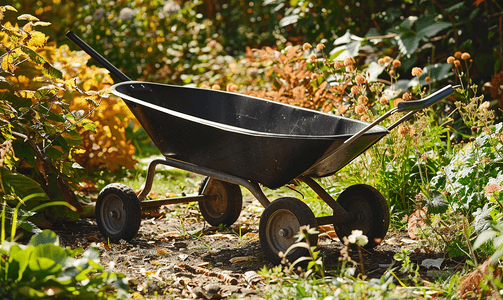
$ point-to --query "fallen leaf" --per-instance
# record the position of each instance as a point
(415, 223)
(325, 228)
(242, 259)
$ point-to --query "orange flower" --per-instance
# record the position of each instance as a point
(387, 59)
(383, 101)
(215, 87)
(458, 54)
(349, 61)
(320, 47)
(403, 129)
(416, 71)
(360, 79)
(450, 59)
(360, 109)
(465, 56)
(396, 63)
(313, 57)
(406, 96)
(306, 46)
(363, 100)
(338, 65)
(355, 89)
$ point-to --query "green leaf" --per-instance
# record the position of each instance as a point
(484, 237)
(42, 267)
(18, 261)
(52, 252)
(31, 293)
(16, 182)
(51, 71)
(34, 56)
(433, 29)
(45, 237)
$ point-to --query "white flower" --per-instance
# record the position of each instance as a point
(358, 238)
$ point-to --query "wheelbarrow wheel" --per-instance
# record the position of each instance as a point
(118, 212)
(279, 223)
(372, 212)
(227, 208)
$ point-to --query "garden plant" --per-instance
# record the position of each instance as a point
(63, 136)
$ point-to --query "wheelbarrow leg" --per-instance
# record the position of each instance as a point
(340, 216)
(253, 187)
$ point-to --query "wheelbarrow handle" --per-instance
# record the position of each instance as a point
(101, 60)
(423, 103)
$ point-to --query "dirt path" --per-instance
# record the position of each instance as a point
(178, 255)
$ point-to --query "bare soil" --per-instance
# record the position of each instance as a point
(178, 255)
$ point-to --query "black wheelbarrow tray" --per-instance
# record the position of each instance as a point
(237, 140)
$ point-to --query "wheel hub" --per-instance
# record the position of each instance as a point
(285, 232)
(116, 214)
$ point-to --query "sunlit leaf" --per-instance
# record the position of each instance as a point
(8, 7)
(28, 17)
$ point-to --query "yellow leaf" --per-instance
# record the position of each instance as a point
(7, 7)
(28, 17)
(37, 39)
(25, 94)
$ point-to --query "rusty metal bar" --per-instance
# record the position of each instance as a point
(253, 187)
(340, 216)
(177, 200)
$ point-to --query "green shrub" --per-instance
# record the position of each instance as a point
(42, 269)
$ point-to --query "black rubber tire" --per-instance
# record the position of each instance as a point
(373, 212)
(118, 212)
(290, 214)
(227, 208)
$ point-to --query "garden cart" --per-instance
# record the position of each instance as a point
(237, 140)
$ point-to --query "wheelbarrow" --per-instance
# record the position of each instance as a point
(238, 140)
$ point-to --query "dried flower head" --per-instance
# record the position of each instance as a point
(424, 156)
(320, 46)
(363, 100)
(215, 87)
(349, 61)
(396, 63)
(465, 56)
(391, 72)
(387, 59)
(231, 87)
(450, 59)
(360, 79)
(314, 76)
(458, 54)
(406, 96)
(364, 118)
(360, 109)
(338, 64)
(457, 63)
(380, 61)
(403, 129)
(416, 71)
(350, 69)
(306, 46)
(427, 79)
(383, 101)
(355, 89)
(491, 188)
(313, 57)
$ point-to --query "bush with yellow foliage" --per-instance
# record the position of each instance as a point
(48, 99)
